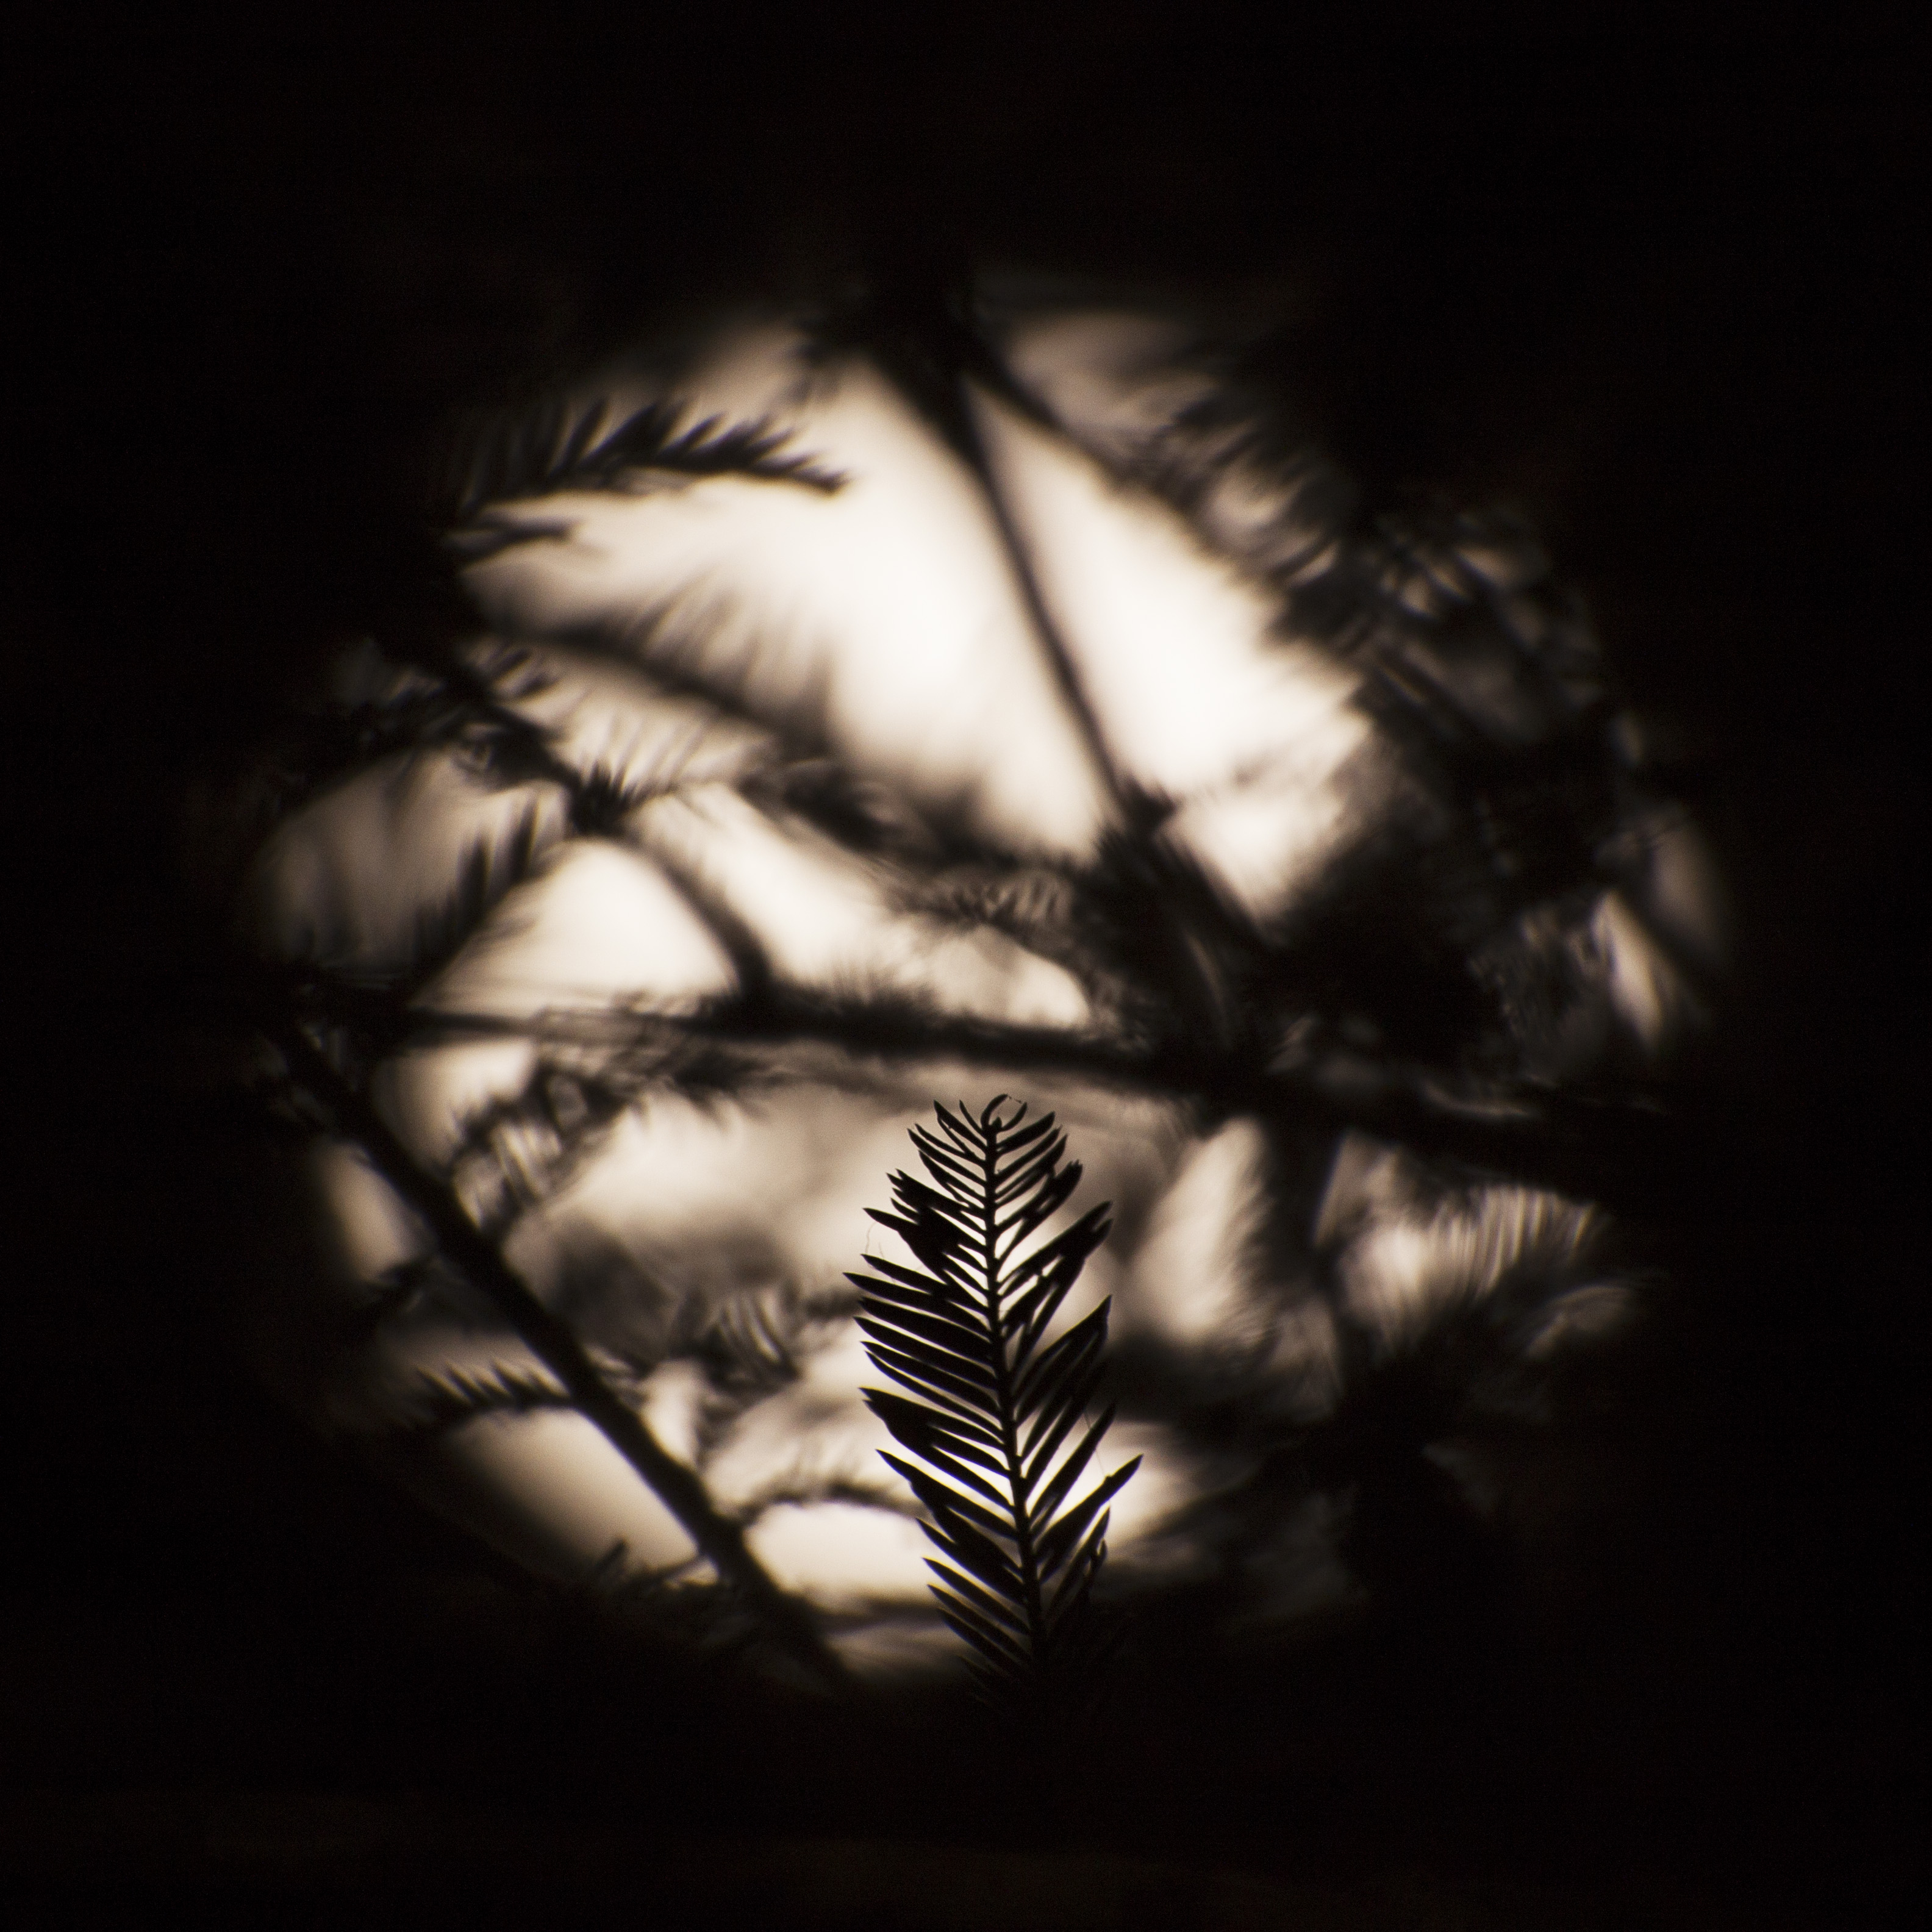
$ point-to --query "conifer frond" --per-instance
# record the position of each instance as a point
(517, 1150)
(998, 1415)
(547, 451)
(448, 1400)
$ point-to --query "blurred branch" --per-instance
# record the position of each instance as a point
(1618, 1149)
(680, 1489)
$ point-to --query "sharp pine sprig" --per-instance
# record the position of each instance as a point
(994, 1412)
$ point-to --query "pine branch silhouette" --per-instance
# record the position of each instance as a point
(545, 451)
(996, 1414)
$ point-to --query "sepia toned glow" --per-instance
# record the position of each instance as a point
(882, 623)
(1176, 651)
(1264, 839)
(1172, 646)
(1403, 1270)
(551, 1493)
(816, 1437)
(822, 917)
(428, 1096)
(1647, 990)
(601, 924)
(1145, 396)
(1193, 1278)
(373, 1232)
(603, 715)
(730, 1196)
(722, 665)
(1172, 1474)
(346, 880)
(843, 1556)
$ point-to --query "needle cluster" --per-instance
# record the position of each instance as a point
(998, 1415)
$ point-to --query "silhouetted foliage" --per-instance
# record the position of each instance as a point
(1649, 294)
(544, 452)
(997, 1410)
(1415, 992)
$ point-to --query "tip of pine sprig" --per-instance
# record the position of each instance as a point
(999, 1419)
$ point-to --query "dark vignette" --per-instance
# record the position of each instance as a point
(1653, 295)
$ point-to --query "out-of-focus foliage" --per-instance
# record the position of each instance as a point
(991, 694)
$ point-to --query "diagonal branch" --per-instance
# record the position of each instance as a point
(934, 356)
(554, 1345)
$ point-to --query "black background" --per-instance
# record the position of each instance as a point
(1659, 293)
